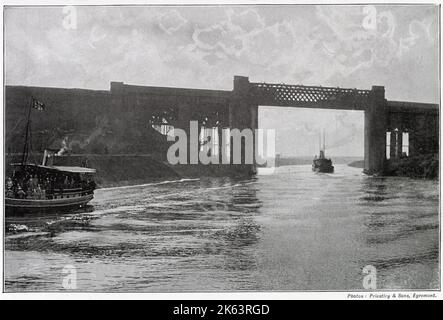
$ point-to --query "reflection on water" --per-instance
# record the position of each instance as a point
(293, 230)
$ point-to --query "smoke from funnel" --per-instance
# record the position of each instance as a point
(64, 147)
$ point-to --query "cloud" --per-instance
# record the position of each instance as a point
(356, 48)
(171, 21)
(248, 20)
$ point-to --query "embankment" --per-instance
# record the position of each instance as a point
(421, 166)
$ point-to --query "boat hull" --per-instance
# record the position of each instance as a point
(322, 165)
(25, 205)
(329, 169)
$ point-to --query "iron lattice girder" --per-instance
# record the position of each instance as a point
(287, 95)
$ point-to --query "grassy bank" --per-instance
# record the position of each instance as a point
(421, 166)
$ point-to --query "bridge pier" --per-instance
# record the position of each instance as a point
(184, 116)
(375, 132)
(399, 145)
(243, 114)
(396, 144)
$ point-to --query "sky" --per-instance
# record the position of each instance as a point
(204, 47)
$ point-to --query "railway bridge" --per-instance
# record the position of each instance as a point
(129, 113)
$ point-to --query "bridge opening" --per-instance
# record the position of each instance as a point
(209, 141)
(397, 144)
(164, 129)
(298, 130)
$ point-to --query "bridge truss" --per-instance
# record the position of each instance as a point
(309, 96)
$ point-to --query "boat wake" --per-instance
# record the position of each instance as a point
(127, 209)
(148, 184)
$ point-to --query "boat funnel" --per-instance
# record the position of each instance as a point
(48, 158)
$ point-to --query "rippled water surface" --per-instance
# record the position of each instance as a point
(292, 230)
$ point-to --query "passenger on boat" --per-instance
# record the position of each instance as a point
(46, 184)
(31, 187)
(91, 184)
(39, 193)
(28, 184)
(20, 193)
(71, 183)
(9, 183)
(9, 190)
(66, 182)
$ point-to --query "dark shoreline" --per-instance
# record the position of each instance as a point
(421, 167)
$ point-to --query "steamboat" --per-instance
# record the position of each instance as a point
(321, 163)
(45, 186)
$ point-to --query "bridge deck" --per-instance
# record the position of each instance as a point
(412, 107)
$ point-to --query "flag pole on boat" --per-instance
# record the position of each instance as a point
(25, 147)
(39, 106)
(324, 140)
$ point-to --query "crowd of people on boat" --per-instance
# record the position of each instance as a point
(33, 186)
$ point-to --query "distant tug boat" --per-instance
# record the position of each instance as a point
(322, 164)
(44, 187)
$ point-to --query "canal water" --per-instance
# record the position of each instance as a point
(290, 230)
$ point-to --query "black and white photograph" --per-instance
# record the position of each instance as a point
(221, 147)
